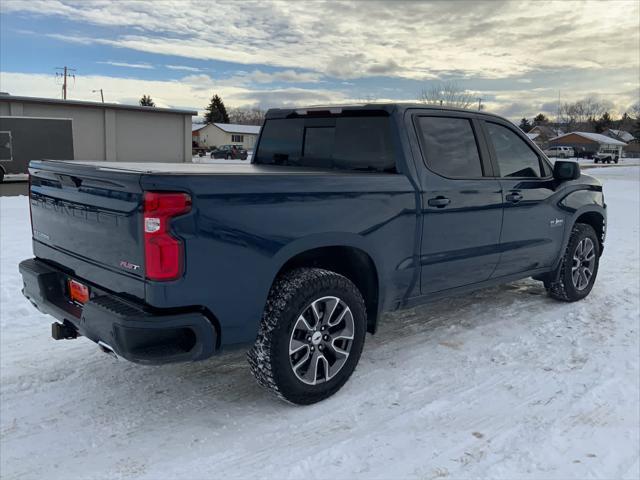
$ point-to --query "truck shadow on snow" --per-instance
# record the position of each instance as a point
(224, 383)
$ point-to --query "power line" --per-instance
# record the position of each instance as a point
(65, 73)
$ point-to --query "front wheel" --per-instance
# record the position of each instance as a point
(311, 335)
(579, 266)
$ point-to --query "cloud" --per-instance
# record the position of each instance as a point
(291, 76)
(387, 68)
(414, 40)
(517, 59)
(144, 66)
(191, 91)
(183, 68)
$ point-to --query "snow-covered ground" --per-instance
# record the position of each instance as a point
(502, 383)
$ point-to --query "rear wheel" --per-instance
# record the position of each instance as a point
(579, 266)
(1, 174)
(311, 335)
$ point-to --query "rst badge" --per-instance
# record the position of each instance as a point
(129, 266)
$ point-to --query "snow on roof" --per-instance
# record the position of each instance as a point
(596, 137)
(197, 126)
(234, 128)
(533, 136)
(624, 135)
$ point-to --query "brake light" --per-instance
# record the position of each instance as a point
(163, 253)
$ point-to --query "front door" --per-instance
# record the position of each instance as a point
(462, 204)
(533, 226)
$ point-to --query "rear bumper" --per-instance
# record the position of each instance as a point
(132, 330)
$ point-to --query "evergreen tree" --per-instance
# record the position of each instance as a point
(146, 101)
(603, 123)
(540, 119)
(525, 126)
(216, 111)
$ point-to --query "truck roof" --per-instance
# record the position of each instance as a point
(386, 107)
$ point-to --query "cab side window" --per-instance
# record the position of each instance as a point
(515, 158)
(450, 147)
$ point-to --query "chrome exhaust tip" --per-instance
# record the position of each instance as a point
(107, 349)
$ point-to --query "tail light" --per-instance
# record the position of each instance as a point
(163, 253)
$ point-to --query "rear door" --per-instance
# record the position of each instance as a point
(532, 227)
(462, 209)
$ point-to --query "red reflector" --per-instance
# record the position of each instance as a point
(163, 253)
(78, 292)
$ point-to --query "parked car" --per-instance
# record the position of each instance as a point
(342, 215)
(560, 152)
(607, 154)
(229, 152)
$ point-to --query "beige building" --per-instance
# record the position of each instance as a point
(217, 134)
(113, 132)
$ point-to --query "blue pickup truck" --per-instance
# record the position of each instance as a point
(343, 213)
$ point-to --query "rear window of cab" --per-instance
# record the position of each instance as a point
(361, 143)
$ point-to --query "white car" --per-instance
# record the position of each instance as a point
(560, 152)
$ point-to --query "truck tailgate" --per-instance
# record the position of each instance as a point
(84, 218)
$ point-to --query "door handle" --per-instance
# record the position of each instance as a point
(439, 202)
(514, 197)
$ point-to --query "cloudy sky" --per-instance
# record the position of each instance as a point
(517, 56)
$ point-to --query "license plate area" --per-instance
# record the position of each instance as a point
(78, 292)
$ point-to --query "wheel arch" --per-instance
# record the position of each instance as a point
(349, 260)
(597, 221)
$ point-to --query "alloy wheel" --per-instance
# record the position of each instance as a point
(584, 260)
(321, 340)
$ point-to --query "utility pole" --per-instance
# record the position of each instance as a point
(64, 75)
(479, 103)
(101, 94)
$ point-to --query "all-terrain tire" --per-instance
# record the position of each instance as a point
(291, 294)
(564, 288)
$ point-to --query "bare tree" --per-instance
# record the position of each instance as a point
(447, 93)
(247, 116)
(580, 114)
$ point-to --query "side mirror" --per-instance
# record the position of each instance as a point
(565, 170)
